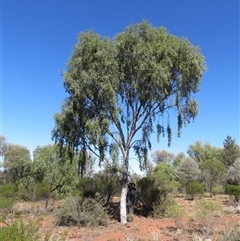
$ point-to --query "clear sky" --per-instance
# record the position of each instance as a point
(38, 36)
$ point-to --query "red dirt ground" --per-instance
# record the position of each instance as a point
(140, 229)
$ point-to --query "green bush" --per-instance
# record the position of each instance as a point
(34, 191)
(7, 198)
(208, 208)
(194, 188)
(234, 191)
(87, 187)
(105, 184)
(148, 193)
(81, 212)
(166, 208)
(20, 231)
(174, 211)
(217, 190)
(151, 198)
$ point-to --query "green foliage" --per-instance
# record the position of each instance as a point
(219, 189)
(208, 208)
(57, 172)
(201, 152)
(167, 208)
(104, 185)
(233, 191)
(87, 187)
(212, 172)
(118, 87)
(148, 193)
(146, 70)
(17, 162)
(194, 189)
(174, 211)
(162, 156)
(81, 212)
(188, 171)
(34, 191)
(165, 177)
(7, 198)
(231, 151)
(234, 172)
(109, 185)
(20, 231)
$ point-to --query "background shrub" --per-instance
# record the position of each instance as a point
(81, 212)
(34, 191)
(233, 191)
(194, 189)
(165, 208)
(208, 208)
(218, 190)
(149, 195)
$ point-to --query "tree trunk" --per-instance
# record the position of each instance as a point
(123, 204)
(123, 198)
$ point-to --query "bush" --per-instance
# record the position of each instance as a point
(7, 197)
(34, 191)
(208, 208)
(81, 212)
(168, 208)
(194, 188)
(217, 190)
(103, 184)
(234, 191)
(174, 211)
(149, 195)
(19, 231)
(232, 234)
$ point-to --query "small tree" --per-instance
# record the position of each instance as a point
(56, 172)
(165, 176)
(17, 162)
(122, 86)
(212, 173)
(231, 151)
(188, 171)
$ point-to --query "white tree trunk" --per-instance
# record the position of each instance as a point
(123, 204)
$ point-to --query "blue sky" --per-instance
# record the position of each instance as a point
(37, 38)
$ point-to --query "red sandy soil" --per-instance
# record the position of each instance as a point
(140, 229)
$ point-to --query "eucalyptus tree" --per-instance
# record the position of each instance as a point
(126, 85)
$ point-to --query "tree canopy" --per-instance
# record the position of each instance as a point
(122, 86)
